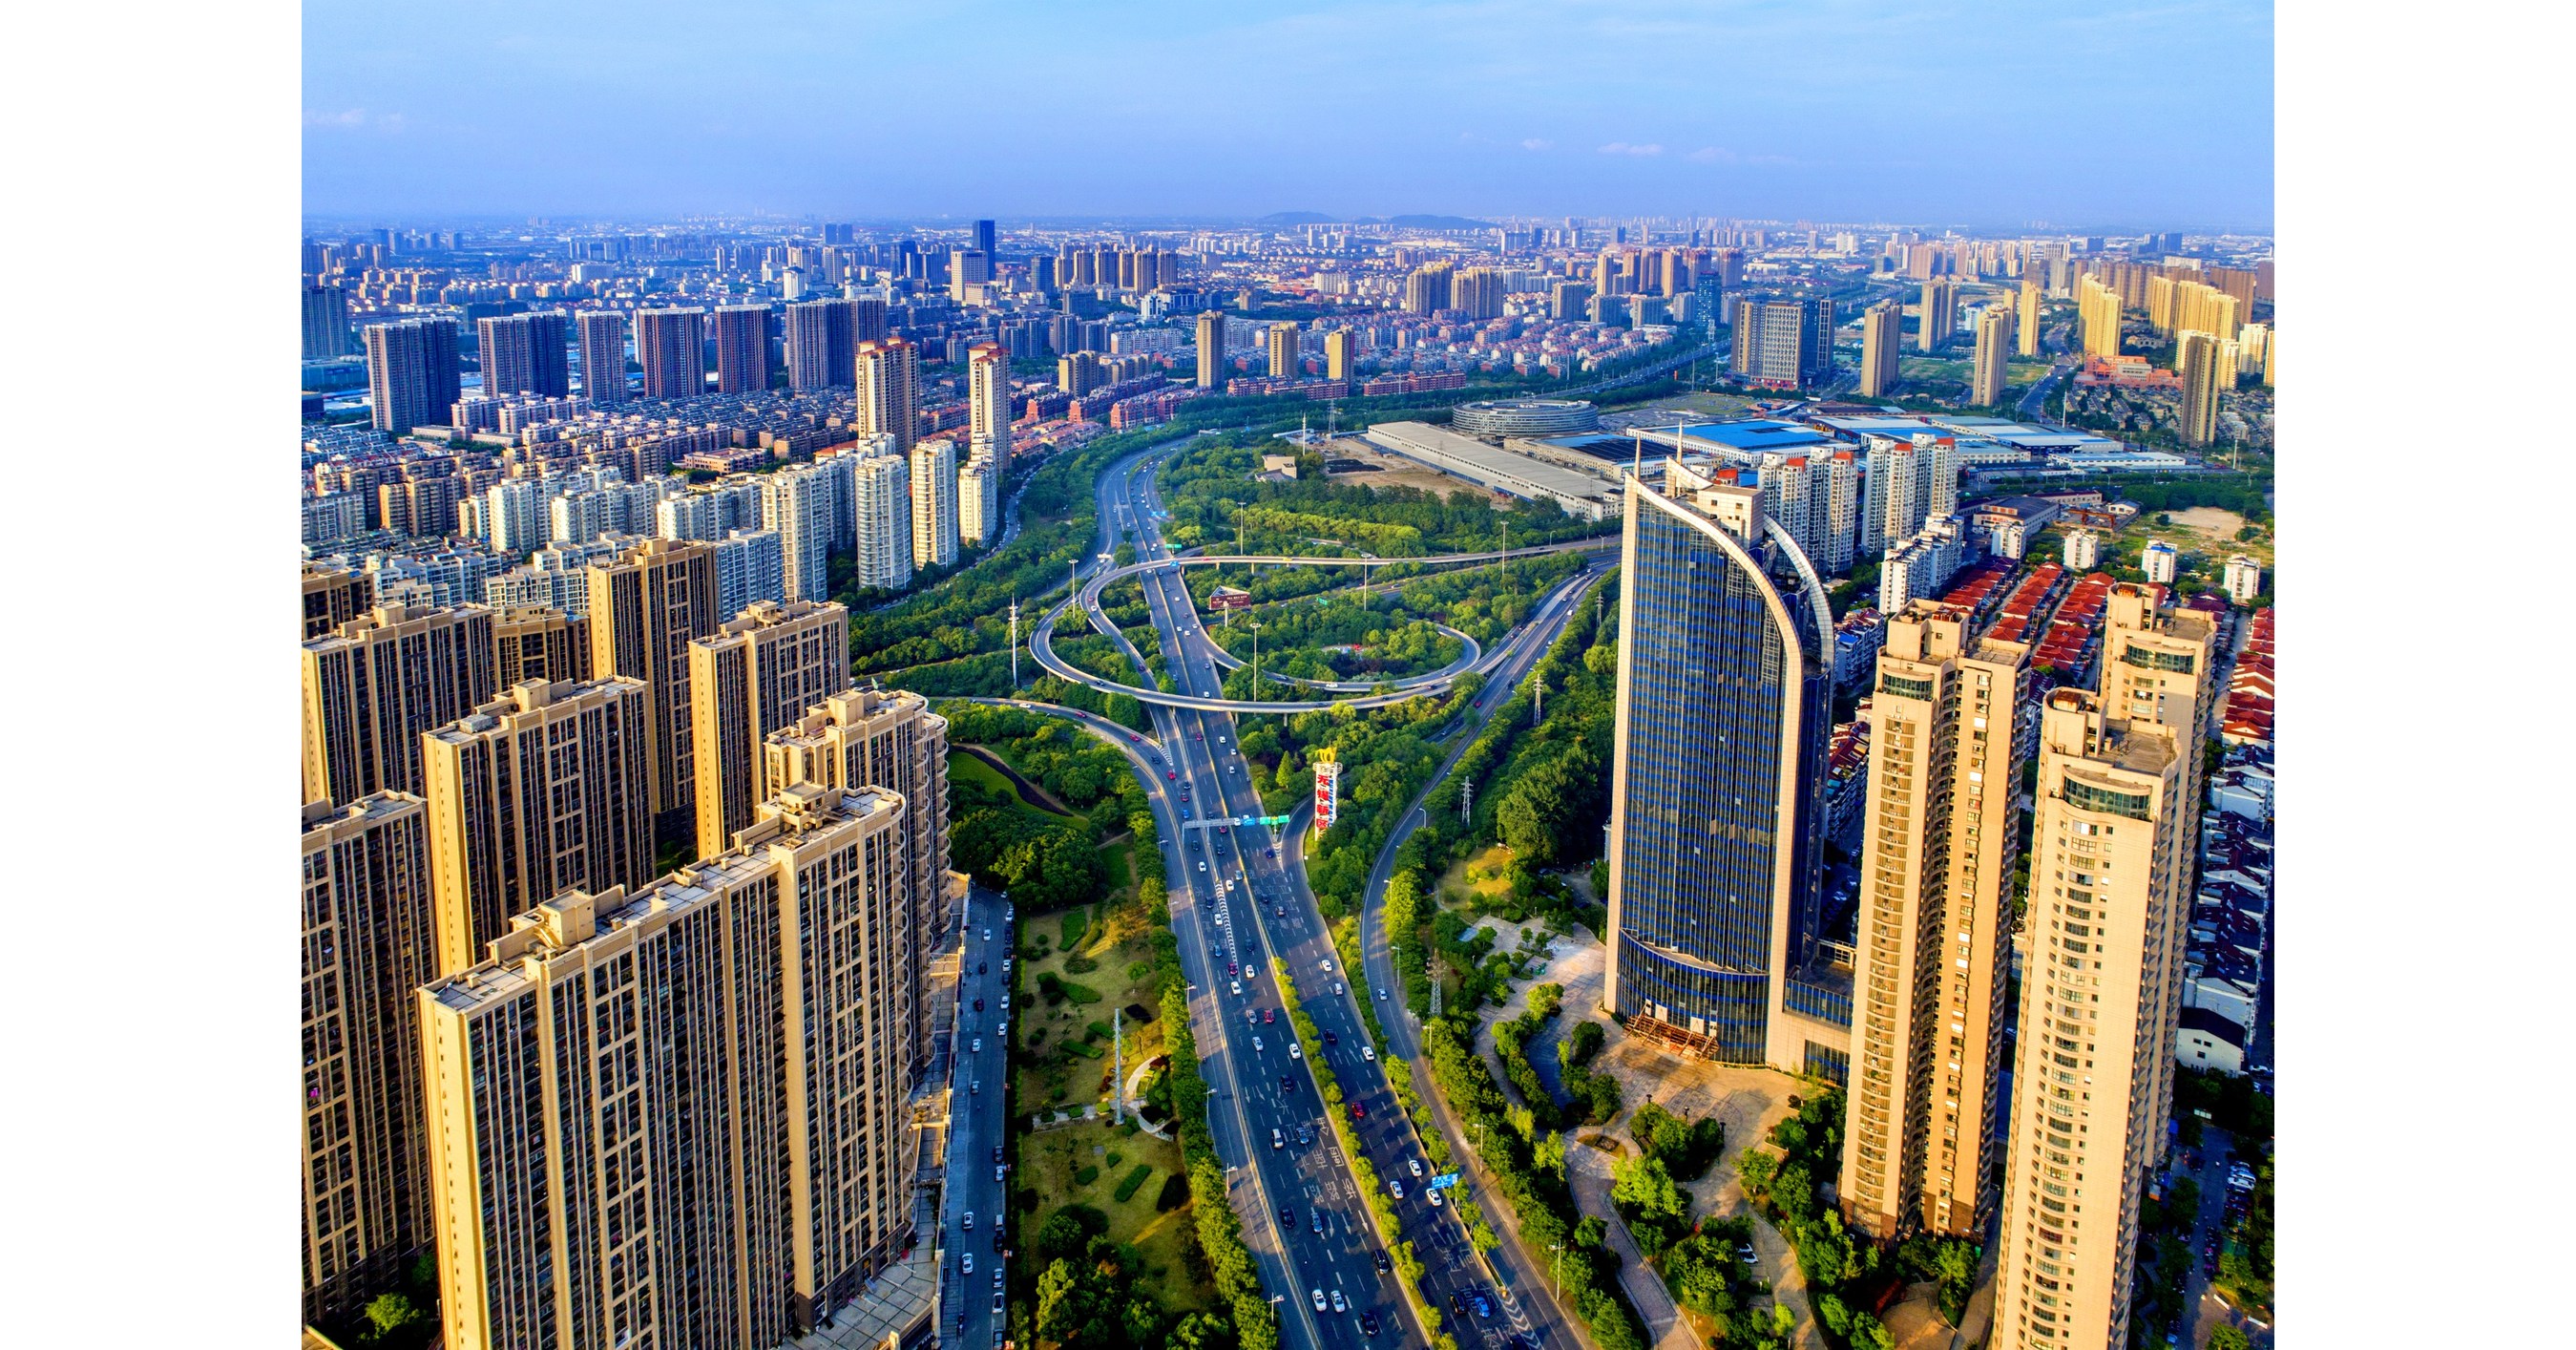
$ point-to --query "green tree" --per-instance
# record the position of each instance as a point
(2224, 1337)
(389, 1313)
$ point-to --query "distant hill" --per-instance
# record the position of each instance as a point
(1295, 218)
(1438, 223)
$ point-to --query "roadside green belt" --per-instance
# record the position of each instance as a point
(1528, 1167)
(1220, 1230)
(1381, 1206)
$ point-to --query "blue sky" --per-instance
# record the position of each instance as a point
(2002, 114)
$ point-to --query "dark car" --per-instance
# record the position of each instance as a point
(1331, 1039)
(979, 1005)
(1368, 1324)
(1457, 1303)
(1288, 1216)
(979, 967)
(1287, 1084)
(1385, 1263)
(997, 1153)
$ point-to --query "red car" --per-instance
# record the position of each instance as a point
(1134, 739)
(1171, 775)
(1358, 1112)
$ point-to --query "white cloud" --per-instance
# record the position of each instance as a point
(1534, 143)
(351, 117)
(1711, 154)
(1623, 148)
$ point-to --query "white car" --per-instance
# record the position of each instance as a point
(1328, 967)
(969, 1266)
(1369, 1053)
(1337, 986)
(1319, 1300)
(1338, 1304)
(969, 1221)
(1397, 1186)
(1238, 987)
(1413, 1165)
(1256, 1045)
(978, 1046)
(1294, 1052)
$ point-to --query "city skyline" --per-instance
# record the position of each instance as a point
(2157, 116)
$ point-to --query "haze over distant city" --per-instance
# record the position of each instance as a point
(2007, 115)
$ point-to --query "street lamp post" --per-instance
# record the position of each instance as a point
(1255, 625)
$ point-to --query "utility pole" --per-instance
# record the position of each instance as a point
(1467, 804)
(1015, 642)
(1118, 1066)
(1538, 700)
(1256, 658)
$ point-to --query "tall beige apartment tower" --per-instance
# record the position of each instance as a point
(367, 945)
(542, 790)
(1881, 334)
(1940, 316)
(1285, 361)
(1993, 356)
(332, 597)
(758, 673)
(646, 606)
(1342, 354)
(934, 503)
(675, 1116)
(1211, 340)
(539, 642)
(2206, 373)
(371, 689)
(1934, 947)
(889, 379)
(2097, 309)
(2026, 316)
(2111, 841)
(891, 739)
(988, 398)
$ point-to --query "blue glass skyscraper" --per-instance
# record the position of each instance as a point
(1716, 843)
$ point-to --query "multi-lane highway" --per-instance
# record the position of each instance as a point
(1237, 901)
(973, 1229)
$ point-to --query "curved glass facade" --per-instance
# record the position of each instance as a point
(1715, 722)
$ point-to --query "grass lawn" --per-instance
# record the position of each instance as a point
(1484, 874)
(1062, 1060)
(1053, 1163)
(989, 784)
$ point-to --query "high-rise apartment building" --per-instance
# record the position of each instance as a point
(326, 323)
(2206, 309)
(1211, 342)
(970, 272)
(1784, 343)
(526, 354)
(1881, 330)
(1426, 290)
(2206, 373)
(646, 605)
(888, 739)
(1078, 373)
(1478, 291)
(671, 345)
(1993, 356)
(538, 642)
(542, 790)
(802, 505)
(1910, 481)
(1286, 362)
(603, 356)
(1934, 940)
(2111, 842)
(988, 394)
(2097, 309)
(376, 683)
(934, 503)
(1342, 355)
(367, 944)
(979, 500)
(413, 377)
(758, 673)
(1815, 499)
(822, 343)
(332, 597)
(750, 567)
(1716, 816)
(676, 1116)
(889, 380)
(881, 509)
(2026, 316)
(742, 349)
(1940, 315)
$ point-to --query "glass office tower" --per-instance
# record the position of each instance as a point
(1716, 845)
